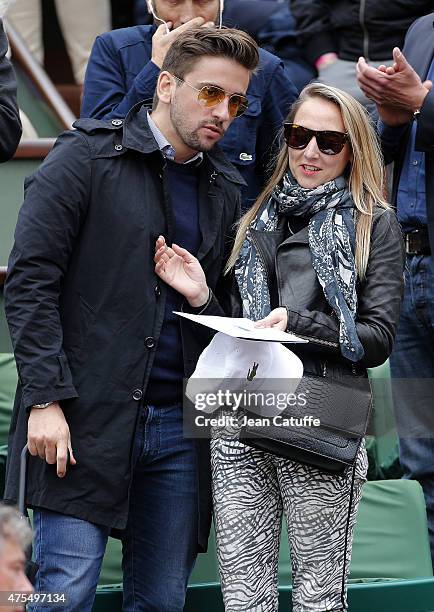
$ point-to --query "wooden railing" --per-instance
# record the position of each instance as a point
(34, 149)
(44, 85)
(39, 148)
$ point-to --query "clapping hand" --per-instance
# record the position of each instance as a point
(182, 271)
(397, 90)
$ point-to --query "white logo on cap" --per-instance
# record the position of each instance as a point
(252, 371)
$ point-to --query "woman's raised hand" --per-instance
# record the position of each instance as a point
(182, 271)
(278, 318)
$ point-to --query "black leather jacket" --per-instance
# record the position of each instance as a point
(309, 314)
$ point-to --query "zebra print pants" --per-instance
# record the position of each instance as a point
(251, 490)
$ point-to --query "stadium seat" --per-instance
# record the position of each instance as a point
(382, 443)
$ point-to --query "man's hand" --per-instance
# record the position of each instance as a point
(182, 271)
(278, 318)
(397, 90)
(161, 41)
(48, 437)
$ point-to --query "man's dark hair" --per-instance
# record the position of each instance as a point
(191, 45)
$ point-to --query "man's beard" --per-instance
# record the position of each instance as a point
(190, 137)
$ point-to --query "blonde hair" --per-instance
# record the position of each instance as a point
(366, 178)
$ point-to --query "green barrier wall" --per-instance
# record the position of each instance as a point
(41, 117)
(12, 175)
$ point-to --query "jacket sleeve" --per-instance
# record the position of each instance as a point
(279, 94)
(314, 28)
(392, 139)
(379, 300)
(105, 95)
(10, 124)
(425, 126)
(49, 221)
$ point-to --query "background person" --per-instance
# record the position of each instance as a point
(405, 103)
(123, 70)
(15, 539)
(322, 212)
(80, 23)
(272, 25)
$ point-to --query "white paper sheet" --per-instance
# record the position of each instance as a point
(241, 328)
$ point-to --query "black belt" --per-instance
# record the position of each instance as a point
(417, 242)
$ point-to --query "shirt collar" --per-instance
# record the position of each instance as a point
(165, 146)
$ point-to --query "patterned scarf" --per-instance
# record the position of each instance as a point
(331, 232)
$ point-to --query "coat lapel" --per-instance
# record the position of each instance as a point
(215, 167)
(210, 211)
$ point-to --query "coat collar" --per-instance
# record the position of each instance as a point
(134, 133)
(137, 135)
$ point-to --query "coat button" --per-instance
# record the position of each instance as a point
(150, 342)
(157, 290)
(118, 147)
(117, 122)
(137, 394)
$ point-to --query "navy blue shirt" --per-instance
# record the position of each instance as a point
(165, 383)
(411, 197)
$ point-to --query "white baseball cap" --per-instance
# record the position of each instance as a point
(239, 365)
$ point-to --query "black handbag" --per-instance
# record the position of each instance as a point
(341, 405)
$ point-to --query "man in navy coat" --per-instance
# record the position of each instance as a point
(100, 354)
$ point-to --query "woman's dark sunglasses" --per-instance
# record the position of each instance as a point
(211, 95)
(329, 142)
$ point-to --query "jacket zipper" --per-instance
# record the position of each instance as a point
(259, 249)
(364, 29)
(278, 277)
(309, 338)
(279, 284)
(315, 340)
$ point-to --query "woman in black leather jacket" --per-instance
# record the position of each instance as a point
(320, 255)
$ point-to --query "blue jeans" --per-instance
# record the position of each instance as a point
(160, 541)
(412, 359)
